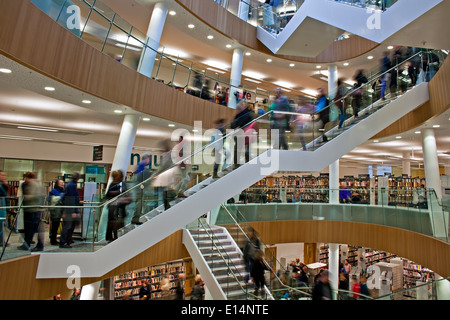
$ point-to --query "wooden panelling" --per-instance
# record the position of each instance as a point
(244, 33)
(18, 282)
(17, 276)
(427, 251)
(439, 88)
(30, 37)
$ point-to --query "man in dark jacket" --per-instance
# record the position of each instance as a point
(322, 288)
(243, 117)
(71, 215)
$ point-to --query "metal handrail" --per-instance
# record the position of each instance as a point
(265, 262)
(226, 263)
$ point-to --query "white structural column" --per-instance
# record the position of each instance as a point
(125, 143)
(406, 163)
(154, 33)
(334, 167)
(235, 77)
(430, 160)
(333, 267)
(433, 181)
(90, 291)
(332, 81)
(333, 182)
(243, 10)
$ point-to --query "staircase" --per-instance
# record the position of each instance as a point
(211, 193)
(318, 23)
(220, 262)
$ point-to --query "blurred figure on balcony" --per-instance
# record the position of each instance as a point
(323, 111)
(244, 136)
(32, 197)
(385, 65)
(54, 198)
(3, 197)
(360, 79)
(305, 111)
(71, 216)
(219, 147)
(116, 209)
(281, 120)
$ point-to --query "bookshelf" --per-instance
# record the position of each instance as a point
(132, 281)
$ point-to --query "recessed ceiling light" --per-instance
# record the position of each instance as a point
(390, 47)
(248, 53)
(37, 128)
(3, 70)
(146, 119)
(86, 101)
(436, 126)
(318, 67)
(269, 60)
(118, 111)
(210, 37)
(417, 132)
(171, 125)
(228, 45)
(194, 130)
(370, 57)
(49, 89)
(172, 13)
(376, 141)
(191, 26)
(398, 137)
(346, 64)
(291, 65)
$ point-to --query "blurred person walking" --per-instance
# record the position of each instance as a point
(198, 290)
(244, 115)
(281, 120)
(360, 79)
(116, 209)
(3, 197)
(257, 271)
(54, 199)
(322, 288)
(32, 198)
(71, 216)
(385, 65)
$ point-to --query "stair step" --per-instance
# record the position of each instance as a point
(228, 249)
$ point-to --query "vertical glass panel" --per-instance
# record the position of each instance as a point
(16, 168)
(96, 30)
(132, 53)
(166, 69)
(195, 83)
(138, 35)
(180, 80)
(116, 43)
(47, 170)
(122, 24)
(52, 8)
(104, 10)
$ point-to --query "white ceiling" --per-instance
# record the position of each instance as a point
(23, 100)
